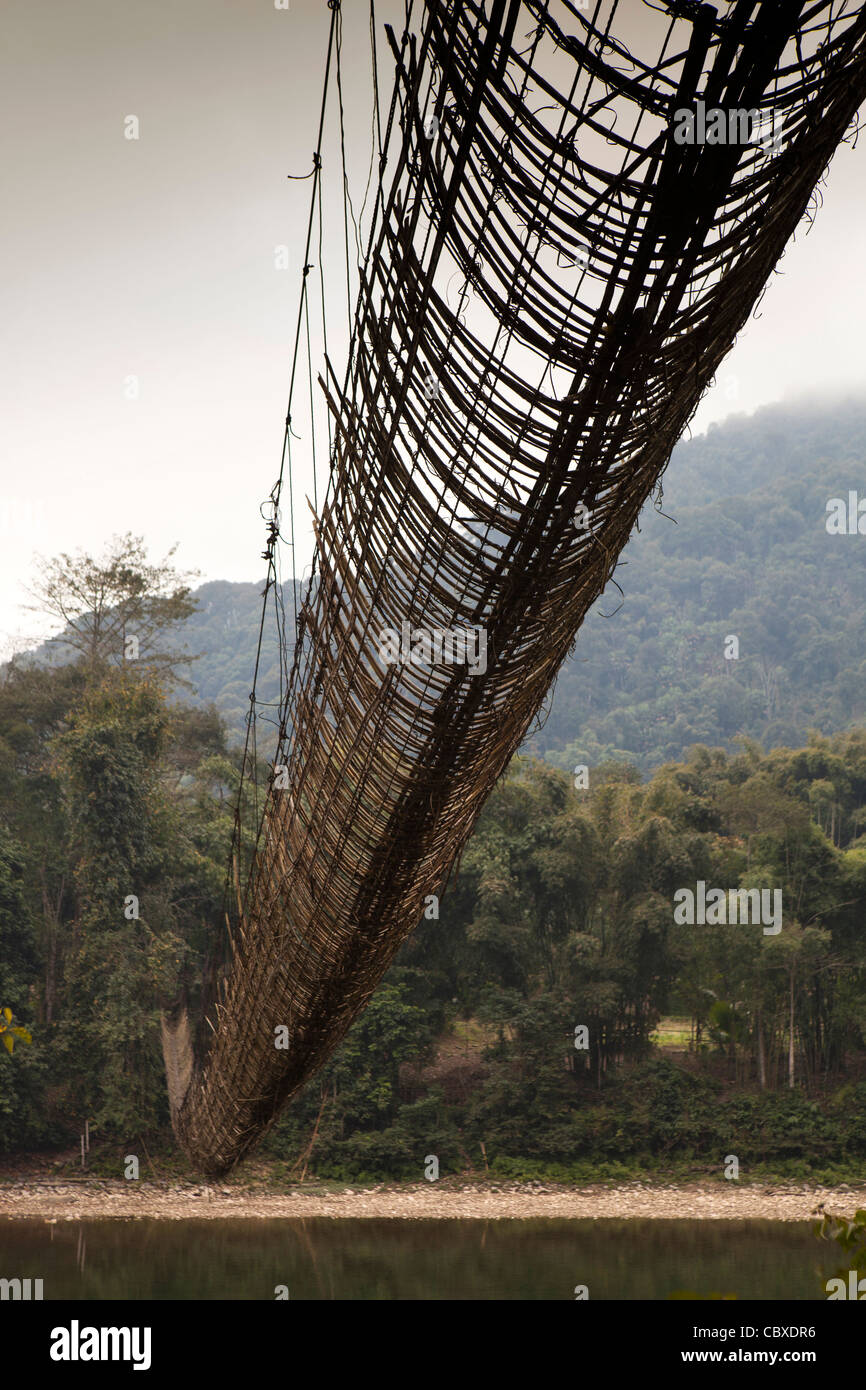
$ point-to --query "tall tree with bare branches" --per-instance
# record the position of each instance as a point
(116, 610)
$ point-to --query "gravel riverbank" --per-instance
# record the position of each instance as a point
(91, 1199)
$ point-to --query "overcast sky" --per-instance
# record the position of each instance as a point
(154, 258)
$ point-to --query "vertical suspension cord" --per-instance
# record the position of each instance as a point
(345, 175)
(249, 755)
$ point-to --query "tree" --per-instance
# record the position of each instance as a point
(116, 610)
(125, 956)
(19, 1082)
(34, 708)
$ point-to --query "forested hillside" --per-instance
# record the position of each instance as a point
(222, 636)
(747, 554)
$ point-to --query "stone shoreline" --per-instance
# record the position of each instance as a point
(92, 1200)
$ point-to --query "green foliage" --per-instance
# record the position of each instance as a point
(561, 916)
(9, 1031)
(363, 1127)
(20, 1072)
(122, 810)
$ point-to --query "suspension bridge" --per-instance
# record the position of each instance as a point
(577, 208)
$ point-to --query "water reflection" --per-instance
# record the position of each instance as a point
(320, 1258)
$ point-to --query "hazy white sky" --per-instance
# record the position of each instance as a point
(155, 258)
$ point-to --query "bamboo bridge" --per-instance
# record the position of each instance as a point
(575, 216)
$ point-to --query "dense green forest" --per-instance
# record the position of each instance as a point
(746, 553)
(553, 1018)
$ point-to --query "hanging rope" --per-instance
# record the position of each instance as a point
(273, 585)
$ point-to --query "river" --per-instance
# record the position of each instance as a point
(326, 1258)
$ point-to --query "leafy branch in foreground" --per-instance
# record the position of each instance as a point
(9, 1031)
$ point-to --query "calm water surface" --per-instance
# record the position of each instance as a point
(321, 1258)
